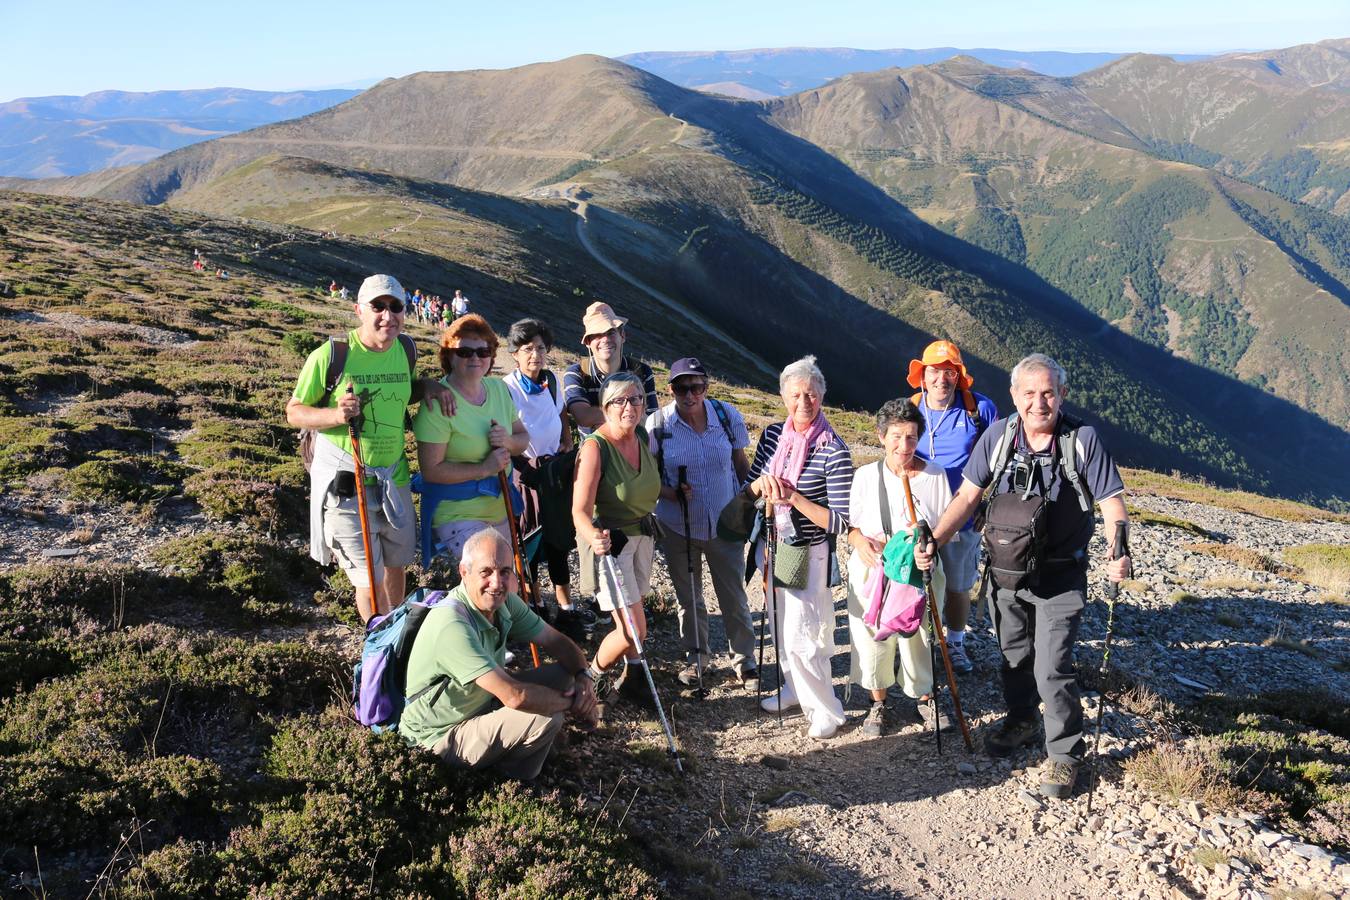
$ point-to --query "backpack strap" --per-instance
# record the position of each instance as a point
(337, 362)
(885, 500)
(409, 350)
(725, 419)
(1003, 451)
(661, 433)
(551, 382)
(1068, 455)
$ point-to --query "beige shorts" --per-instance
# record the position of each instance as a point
(961, 561)
(392, 544)
(635, 569)
(452, 536)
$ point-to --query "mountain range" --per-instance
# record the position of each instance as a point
(45, 137)
(1202, 315)
(778, 72)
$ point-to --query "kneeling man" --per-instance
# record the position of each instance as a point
(463, 704)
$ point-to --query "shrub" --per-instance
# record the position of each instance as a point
(252, 575)
(113, 481)
(301, 343)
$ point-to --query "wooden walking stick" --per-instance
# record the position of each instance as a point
(354, 432)
(924, 537)
(526, 585)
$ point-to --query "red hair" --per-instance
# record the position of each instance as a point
(469, 326)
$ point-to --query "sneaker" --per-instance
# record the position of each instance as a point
(927, 713)
(607, 684)
(770, 702)
(877, 717)
(961, 663)
(579, 611)
(1057, 779)
(822, 730)
(1011, 734)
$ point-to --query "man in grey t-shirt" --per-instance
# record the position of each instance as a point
(1038, 621)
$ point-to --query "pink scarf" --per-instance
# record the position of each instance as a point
(789, 457)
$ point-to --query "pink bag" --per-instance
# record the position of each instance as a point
(892, 607)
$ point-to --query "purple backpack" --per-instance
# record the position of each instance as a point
(380, 678)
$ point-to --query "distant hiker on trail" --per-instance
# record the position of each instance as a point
(343, 293)
(803, 471)
(332, 289)
(466, 450)
(615, 493)
(459, 304)
(378, 362)
(877, 510)
(955, 417)
(704, 441)
(603, 334)
(544, 470)
(1044, 469)
(476, 714)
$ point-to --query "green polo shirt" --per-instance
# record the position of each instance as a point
(457, 641)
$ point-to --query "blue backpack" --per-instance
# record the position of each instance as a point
(380, 678)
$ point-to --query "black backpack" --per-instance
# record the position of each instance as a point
(1013, 523)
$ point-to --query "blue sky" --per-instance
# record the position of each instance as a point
(55, 47)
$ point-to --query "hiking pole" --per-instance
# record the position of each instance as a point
(695, 587)
(616, 587)
(526, 585)
(771, 602)
(925, 536)
(1119, 547)
(354, 425)
(764, 621)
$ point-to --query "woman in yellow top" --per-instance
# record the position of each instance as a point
(469, 448)
(616, 488)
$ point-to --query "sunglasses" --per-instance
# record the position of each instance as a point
(700, 388)
(393, 306)
(634, 400)
(471, 352)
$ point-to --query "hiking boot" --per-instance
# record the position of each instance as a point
(961, 663)
(1057, 778)
(580, 612)
(688, 675)
(634, 688)
(1011, 734)
(878, 717)
(748, 676)
(927, 713)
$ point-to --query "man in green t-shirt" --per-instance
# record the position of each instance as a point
(471, 711)
(380, 370)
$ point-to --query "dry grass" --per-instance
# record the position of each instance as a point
(84, 535)
(1178, 488)
(1285, 642)
(1325, 565)
(782, 821)
(804, 873)
(1179, 597)
(1208, 857)
(1232, 584)
(1147, 517)
(1178, 772)
(1242, 556)
(1229, 621)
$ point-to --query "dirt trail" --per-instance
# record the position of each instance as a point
(582, 208)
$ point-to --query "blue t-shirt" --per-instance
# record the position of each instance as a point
(949, 435)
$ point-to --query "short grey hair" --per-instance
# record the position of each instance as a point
(480, 541)
(1039, 362)
(617, 384)
(804, 369)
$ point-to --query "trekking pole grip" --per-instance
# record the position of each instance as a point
(925, 538)
(1119, 548)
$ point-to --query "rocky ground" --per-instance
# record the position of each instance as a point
(766, 811)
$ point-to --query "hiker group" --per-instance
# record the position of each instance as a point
(515, 472)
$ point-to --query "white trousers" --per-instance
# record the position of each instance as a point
(803, 622)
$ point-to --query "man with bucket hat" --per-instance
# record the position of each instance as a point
(604, 336)
(955, 417)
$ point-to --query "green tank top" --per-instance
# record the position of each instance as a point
(625, 495)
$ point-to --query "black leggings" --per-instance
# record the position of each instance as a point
(559, 573)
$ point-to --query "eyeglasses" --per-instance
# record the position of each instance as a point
(699, 388)
(634, 400)
(471, 352)
(379, 306)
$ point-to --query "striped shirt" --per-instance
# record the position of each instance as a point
(580, 387)
(826, 480)
(708, 459)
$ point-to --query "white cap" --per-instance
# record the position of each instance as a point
(381, 286)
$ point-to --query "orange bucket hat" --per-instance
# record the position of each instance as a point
(936, 354)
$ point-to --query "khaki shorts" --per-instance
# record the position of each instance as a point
(392, 544)
(961, 562)
(635, 568)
